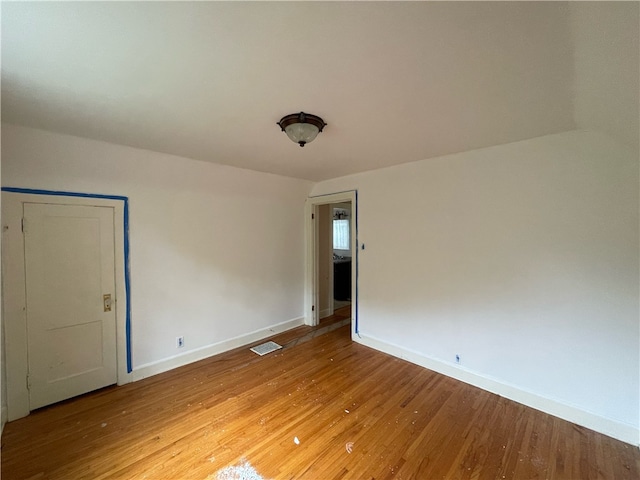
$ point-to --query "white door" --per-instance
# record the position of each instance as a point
(70, 285)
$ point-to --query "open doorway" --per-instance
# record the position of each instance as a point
(331, 260)
(335, 261)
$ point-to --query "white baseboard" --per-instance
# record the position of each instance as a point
(326, 313)
(612, 428)
(154, 368)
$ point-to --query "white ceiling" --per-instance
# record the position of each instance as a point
(396, 82)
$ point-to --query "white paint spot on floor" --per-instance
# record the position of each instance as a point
(296, 441)
(243, 471)
(349, 447)
(103, 425)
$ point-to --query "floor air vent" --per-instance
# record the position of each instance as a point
(265, 348)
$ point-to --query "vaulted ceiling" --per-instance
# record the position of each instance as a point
(396, 82)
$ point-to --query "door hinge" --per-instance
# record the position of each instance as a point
(313, 216)
(24, 225)
(28, 382)
(313, 308)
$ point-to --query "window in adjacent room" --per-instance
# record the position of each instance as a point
(341, 239)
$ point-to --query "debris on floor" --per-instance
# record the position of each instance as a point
(243, 471)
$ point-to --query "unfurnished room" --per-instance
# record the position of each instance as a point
(320, 240)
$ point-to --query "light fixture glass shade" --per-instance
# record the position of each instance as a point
(302, 132)
(301, 127)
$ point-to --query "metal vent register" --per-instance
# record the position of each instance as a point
(265, 348)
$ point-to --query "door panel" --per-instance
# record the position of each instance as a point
(69, 266)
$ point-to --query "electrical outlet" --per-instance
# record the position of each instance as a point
(457, 358)
(179, 342)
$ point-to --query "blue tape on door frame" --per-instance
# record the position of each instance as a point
(127, 285)
(355, 313)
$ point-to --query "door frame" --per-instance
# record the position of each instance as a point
(14, 286)
(311, 313)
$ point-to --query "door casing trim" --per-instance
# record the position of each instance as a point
(311, 315)
(14, 294)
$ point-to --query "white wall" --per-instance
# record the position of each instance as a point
(3, 371)
(522, 259)
(3, 379)
(607, 60)
(216, 252)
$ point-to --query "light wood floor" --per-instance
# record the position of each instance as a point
(400, 420)
(339, 314)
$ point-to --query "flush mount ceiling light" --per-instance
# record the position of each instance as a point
(301, 127)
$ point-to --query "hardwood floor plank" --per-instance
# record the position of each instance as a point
(399, 420)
